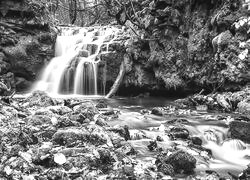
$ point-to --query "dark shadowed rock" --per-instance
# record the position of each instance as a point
(196, 141)
(166, 169)
(101, 104)
(71, 137)
(244, 106)
(157, 111)
(240, 130)
(101, 122)
(182, 162)
(177, 132)
(122, 131)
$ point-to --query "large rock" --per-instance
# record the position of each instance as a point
(177, 132)
(40, 99)
(244, 106)
(240, 130)
(71, 137)
(181, 162)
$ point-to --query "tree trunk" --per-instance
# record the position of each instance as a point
(119, 78)
(72, 11)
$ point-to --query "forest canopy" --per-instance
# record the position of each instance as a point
(86, 12)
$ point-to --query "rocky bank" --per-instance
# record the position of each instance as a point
(190, 45)
(46, 138)
(26, 42)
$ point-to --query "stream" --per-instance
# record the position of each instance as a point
(228, 155)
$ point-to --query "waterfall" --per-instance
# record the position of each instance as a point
(74, 68)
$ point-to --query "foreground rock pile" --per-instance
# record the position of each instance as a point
(44, 138)
(228, 101)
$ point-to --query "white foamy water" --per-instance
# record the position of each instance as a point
(228, 155)
(74, 70)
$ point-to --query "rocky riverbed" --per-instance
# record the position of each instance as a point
(46, 138)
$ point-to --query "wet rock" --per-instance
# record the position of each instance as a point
(122, 131)
(101, 104)
(109, 113)
(158, 138)
(44, 112)
(126, 149)
(196, 141)
(182, 162)
(167, 169)
(244, 106)
(177, 132)
(61, 110)
(56, 174)
(82, 106)
(101, 122)
(47, 133)
(245, 174)
(152, 145)
(117, 140)
(157, 111)
(4, 66)
(105, 156)
(39, 120)
(67, 122)
(43, 159)
(76, 136)
(39, 99)
(202, 108)
(178, 121)
(83, 115)
(223, 102)
(240, 130)
(145, 111)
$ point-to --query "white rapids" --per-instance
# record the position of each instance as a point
(74, 69)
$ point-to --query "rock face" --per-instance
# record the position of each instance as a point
(191, 44)
(26, 42)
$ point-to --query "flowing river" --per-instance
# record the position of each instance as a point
(228, 155)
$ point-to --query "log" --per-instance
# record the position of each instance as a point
(119, 78)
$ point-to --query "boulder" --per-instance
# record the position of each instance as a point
(157, 111)
(167, 169)
(240, 130)
(101, 104)
(223, 102)
(244, 106)
(181, 162)
(40, 99)
(61, 110)
(66, 122)
(71, 137)
(196, 141)
(39, 120)
(177, 132)
(122, 131)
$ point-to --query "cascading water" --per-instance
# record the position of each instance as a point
(227, 155)
(75, 66)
